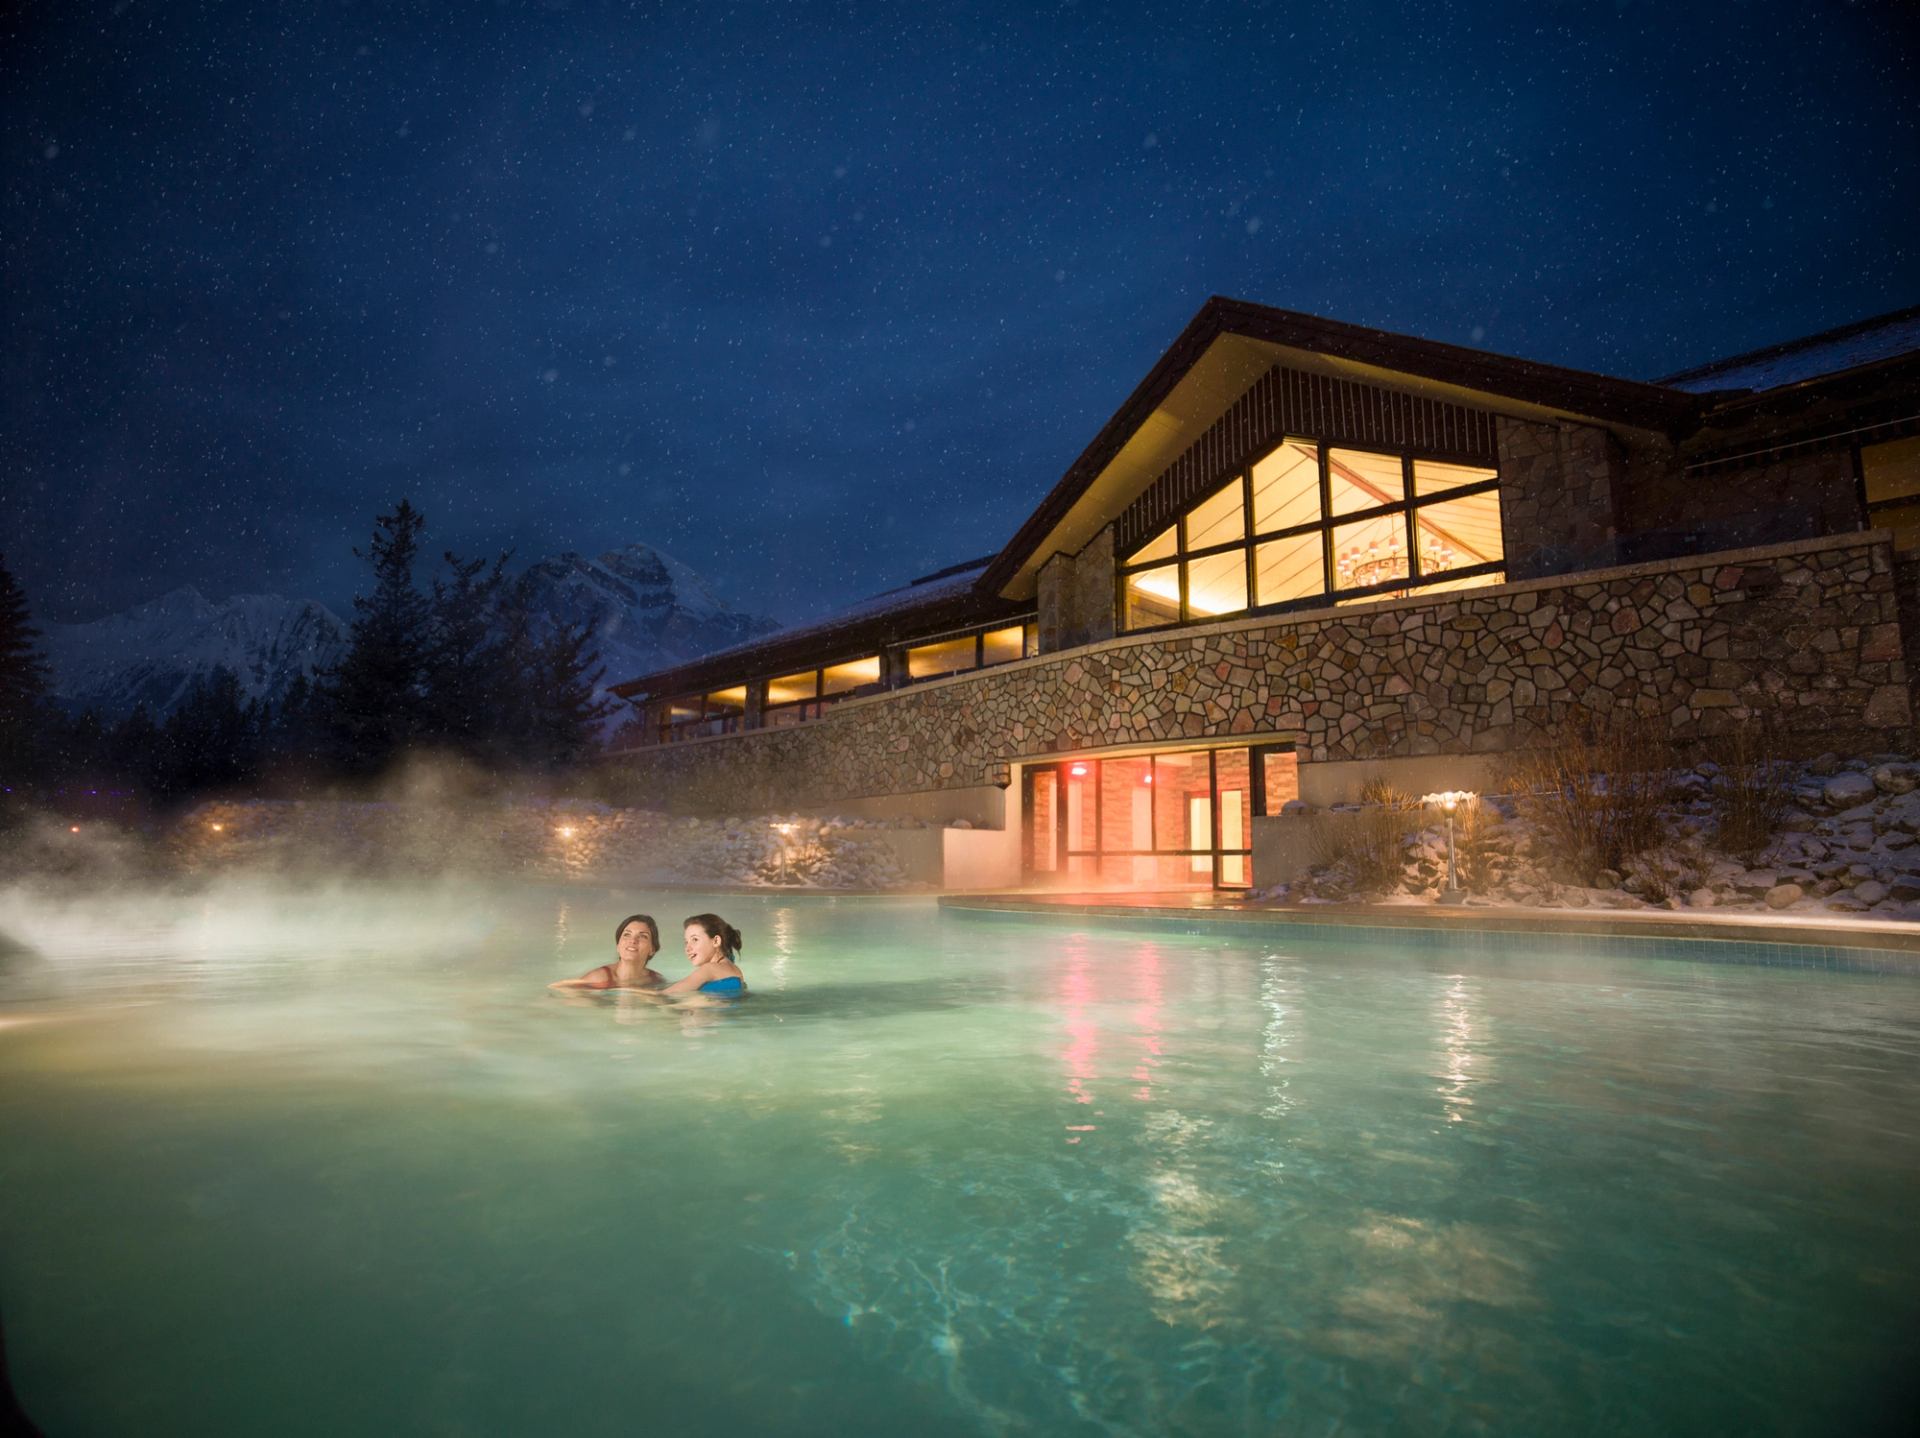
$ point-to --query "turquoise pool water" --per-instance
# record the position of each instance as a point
(334, 1162)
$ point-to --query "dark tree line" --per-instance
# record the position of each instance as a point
(462, 664)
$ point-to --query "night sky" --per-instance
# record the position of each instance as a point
(820, 298)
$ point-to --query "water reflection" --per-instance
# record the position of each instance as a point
(1147, 1018)
(1075, 996)
(780, 926)
(1278, 1030)
(1460, 1040)
(1179, 1247)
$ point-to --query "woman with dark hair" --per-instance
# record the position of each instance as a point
(712, 945)
(635, 942)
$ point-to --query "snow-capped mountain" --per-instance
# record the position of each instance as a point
(643, 609)
(151, 654)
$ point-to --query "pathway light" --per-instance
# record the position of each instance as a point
(1450, 801)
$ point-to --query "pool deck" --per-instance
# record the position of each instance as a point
(1826, 941)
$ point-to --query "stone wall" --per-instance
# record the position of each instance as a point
(1076, 603)
(1559, 494)
(1806, 634)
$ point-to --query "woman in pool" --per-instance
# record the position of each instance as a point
(711, 944)
(635, 943)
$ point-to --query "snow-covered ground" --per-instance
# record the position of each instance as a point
(1849, 844)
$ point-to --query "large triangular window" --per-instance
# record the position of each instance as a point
(1310, 521)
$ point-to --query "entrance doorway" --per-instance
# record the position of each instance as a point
(1181, 819)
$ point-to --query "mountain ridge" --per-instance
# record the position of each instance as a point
(643, 609)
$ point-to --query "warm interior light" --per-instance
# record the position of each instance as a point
(1078, 771)
(1146, 778)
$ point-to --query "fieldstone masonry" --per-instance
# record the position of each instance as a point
(1077, 594)
(1806, 634)
(1560, 486)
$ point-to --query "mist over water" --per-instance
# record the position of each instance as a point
(313, 1157)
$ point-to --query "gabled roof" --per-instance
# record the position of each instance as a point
(1240, 340)
(1832, 352)
(946, 599)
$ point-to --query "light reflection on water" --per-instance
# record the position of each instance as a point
(934, 1173)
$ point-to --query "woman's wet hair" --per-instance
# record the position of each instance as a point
(653, 929)
(716, 927)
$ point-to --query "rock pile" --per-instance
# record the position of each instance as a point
(538, 841)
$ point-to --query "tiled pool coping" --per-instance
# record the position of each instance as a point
(1867, 947)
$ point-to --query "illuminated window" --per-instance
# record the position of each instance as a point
(853, 674)
(949, 656)
(1152, 597)
(1892, 476)
(793, 688)
(1217, 584)
(1003, 646)
(1327, 522)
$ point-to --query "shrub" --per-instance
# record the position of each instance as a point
(1368, 846)
(1752, 793)
(1594, 792)
(1665, 872)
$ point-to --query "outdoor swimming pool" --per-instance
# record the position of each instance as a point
(334, 1162)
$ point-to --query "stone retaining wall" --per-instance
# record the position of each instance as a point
(1806, 634)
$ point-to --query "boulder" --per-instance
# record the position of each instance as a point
(1871, 892)
(1781, 896)
(1824, 765)
(1894, 779)
(1701, 899)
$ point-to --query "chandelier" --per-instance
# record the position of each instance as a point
(1381, 560)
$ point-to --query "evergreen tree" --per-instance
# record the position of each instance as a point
(466, 660)
(294, 733)
(134, 749)
(567, 705)
(76, 747)
(211, 740)
(548, 715)
(24, 679)
(377, 696)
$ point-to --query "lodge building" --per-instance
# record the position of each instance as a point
(1304, 554)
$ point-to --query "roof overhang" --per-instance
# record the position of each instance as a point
(1230, 344)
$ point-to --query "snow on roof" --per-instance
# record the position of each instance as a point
(1849, 347)
(947, 584)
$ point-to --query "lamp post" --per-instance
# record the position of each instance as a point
(1450, 801)
(783, 830)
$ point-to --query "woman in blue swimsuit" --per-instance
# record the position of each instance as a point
(711, 943)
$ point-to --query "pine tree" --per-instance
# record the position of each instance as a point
(548, 715)
(135, 749)
(211, 740)
(465, 657)
(24, 678)
(376, 696)
(567, 706)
